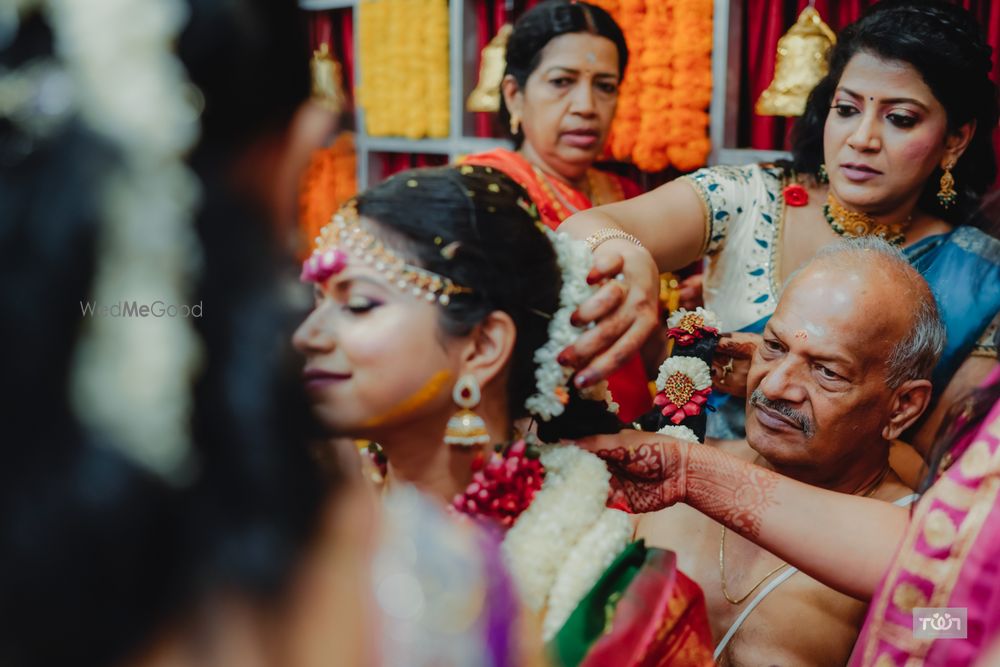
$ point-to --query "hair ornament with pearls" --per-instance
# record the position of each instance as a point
(345, 236)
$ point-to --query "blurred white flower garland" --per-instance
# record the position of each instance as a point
(132, 375)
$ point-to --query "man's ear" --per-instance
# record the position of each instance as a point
(908, 402)
(490, 347)
(512, 95)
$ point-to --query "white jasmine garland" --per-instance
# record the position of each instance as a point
(708, 318)
(131, 87)
(679, 432)
(574, 259)
(570, 502)
(693, 367)
(131, 379)
(587, 561)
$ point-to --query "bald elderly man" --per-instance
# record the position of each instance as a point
(842, 370)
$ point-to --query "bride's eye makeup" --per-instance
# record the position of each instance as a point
(359, 304)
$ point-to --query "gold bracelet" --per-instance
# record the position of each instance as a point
(608, 233)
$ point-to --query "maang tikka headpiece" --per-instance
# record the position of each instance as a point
(346, 236)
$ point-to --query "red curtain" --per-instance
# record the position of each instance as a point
(770, 19)
(391, 163)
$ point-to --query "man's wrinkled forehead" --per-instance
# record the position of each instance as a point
(829, 309)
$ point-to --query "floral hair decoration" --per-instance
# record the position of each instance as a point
(345, 236)
(686, 326)
(683, 386)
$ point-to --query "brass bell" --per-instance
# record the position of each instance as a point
(493, 61)
(327, 88)
(799, 66)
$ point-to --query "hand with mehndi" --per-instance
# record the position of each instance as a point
(648, 471)
(624, 311)
(731, 362)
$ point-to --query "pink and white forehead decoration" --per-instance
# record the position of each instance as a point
(346, 238)
(321, 265)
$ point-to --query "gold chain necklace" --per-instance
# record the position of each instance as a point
(869, 490)
(854, 223)
(563, 208)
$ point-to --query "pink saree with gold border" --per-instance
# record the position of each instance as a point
(950, 557)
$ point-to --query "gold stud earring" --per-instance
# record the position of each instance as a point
(515, 124)
(947, 195)
(466, 428)
(821, 174)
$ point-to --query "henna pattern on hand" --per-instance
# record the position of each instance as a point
(730, 491)
(647, 477)
(730, 348)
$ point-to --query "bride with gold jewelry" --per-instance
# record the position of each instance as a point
(442, 303)
(895, 142)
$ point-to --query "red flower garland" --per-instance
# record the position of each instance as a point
(503, 486)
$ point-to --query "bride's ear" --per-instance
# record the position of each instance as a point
(490, 347)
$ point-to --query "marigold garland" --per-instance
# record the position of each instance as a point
(625, 129)
(404, 67)
(654, 101)
(330, 179)
(662, 119)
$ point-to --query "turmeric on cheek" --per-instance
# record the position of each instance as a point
(414, 402)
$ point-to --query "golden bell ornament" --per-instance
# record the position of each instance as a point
(799, 66)
(493, 61)
(327, 89)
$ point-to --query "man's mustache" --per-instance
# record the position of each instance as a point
(801, 420)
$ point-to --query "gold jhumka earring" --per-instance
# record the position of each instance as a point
(947, 195)
(466, 428)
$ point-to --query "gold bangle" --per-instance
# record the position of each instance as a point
(608, 233)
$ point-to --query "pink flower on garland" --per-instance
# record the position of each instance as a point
(683, 386)
(503, 486)
(686, 326)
